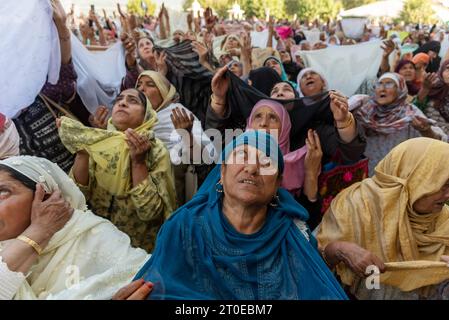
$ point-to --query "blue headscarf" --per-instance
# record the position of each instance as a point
(284, 75)
(199, 254)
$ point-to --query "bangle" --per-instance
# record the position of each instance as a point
(215, 101)
(32, 243)
(347, 124)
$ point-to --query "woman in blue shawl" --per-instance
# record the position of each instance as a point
(209, 249)
(276, 64)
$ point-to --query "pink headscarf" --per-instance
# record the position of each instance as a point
(284, 32)
(293, 178)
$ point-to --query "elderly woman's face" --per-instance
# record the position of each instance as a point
(446, 74)
(386, 92)
(128, 111)
(149, 88)
(232, 43)
(408, 72)
(311, 84)
(282, 91)
(434, 202)
(15, 207)
(249, 177)
(236, 68)
(266, 119)
(273, 64)
(178, 36)
(145, 48)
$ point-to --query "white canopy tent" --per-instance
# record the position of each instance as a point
(386, 9)
(390, 9)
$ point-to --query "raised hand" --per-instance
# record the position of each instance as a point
(210, 19)
(429, 80)
(130, 47)
(312, 161)
(339, 107)
(161, 64)
(59, 15)
(246, 45)
(220, 83)
(100, 118)
(181, 120)
(139, 145)
(388, 47)
(201, 50)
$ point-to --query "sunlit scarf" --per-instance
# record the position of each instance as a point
(377, 215)
(108, 149)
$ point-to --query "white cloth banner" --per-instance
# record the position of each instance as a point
(353, 27)
(346, 67)
(260, 39)
(312, 35)
(444, 47)
(100, 74)
(30, 52)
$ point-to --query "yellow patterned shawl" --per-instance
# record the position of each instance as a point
(109, 150)
(377, 214)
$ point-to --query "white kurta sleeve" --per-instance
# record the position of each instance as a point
(10, 281)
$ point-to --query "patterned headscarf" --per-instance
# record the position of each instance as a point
(391, 118)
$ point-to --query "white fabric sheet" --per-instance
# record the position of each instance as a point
(346, 67)
(353, 27)
(100, 74)
(30, 52)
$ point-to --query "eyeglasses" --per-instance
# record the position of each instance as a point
(388, 85)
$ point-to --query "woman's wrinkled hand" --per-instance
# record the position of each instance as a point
(130, 48)
(181, 120)
(136, 290)
(139, 145)
(100, 118)
(50, 215)
(358, 259)
(339, 107)
(312, 161)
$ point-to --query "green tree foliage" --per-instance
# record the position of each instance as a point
(349, 4)
(136, 7)
(417, 11)
(220, 7)
(313, 9)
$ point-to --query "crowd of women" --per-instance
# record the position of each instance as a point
(313, 194)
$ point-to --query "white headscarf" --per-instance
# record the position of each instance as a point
(9, 140)
(87, 259)
(302, 73)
